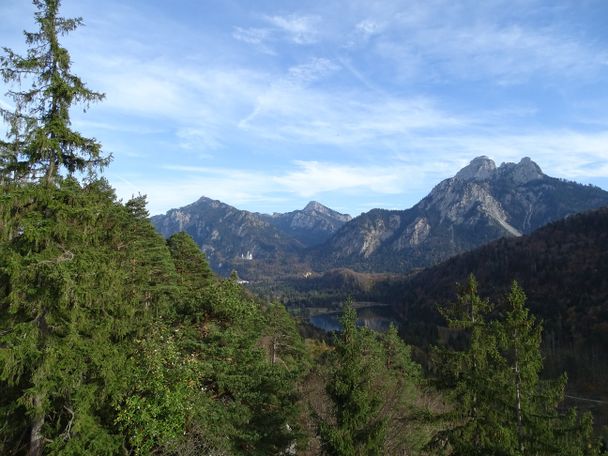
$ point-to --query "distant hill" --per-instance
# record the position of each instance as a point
(479, 204)
(563, 267)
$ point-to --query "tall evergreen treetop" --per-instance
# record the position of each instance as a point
(40, 141)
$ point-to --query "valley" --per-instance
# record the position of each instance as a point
(501, 224)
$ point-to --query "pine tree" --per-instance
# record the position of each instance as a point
(285, 346)
(40, 141)
(193, 271)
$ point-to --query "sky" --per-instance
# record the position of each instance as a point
(357, 104)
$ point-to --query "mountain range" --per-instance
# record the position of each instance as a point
(481, 203)
(239, 240)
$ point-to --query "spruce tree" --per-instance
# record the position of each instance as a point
(356, 427)
(41, 141)
(372, 387)
(81, 276)
(80, 283)
(501, 405)
(530, 402)
(468, 375)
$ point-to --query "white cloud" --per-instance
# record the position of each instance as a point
(298, 28)
(312, 178)
(246, 187)
(485, 43)
(368, 28)
(560, 153)
(315, 69)
(257, 37)
(198, 139)
(341, 118)
(251, 35)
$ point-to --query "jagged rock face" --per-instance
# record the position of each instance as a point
(312, 225)
(226, 234)
(482, 202)
(481, 168)
(231, 237)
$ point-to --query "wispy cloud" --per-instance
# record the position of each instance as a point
(258, 37)
(315, 69)
(300, 29)
(341, 118)
(313, 178)
(251, 35)
(485, 42)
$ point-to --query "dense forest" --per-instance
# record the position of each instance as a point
(116, 341)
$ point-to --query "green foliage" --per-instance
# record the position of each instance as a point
(501, 405)
(284, 344)
(193, 271)
(255, 398)
(372, 388)
(76, 293)
(160, 402)
(40, 140)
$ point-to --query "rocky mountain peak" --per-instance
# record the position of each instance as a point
(314, 206)
(523, 172)
(480, 168)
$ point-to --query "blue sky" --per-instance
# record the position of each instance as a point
(266, 105)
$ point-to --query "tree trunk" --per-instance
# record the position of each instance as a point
(36, 437)
(518, 405)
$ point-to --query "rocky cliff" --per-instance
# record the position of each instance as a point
(481, 203)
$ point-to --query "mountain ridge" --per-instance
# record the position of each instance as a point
(235, 239)
(482, 202)
(479, 204)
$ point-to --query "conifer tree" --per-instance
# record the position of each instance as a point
(531, 403)
(248, 405)
(372, 387)
(75, 295)
(358, 429)
(285, 346)
(194, 273)
(501, 404)
(468, 375)
(40, 140)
